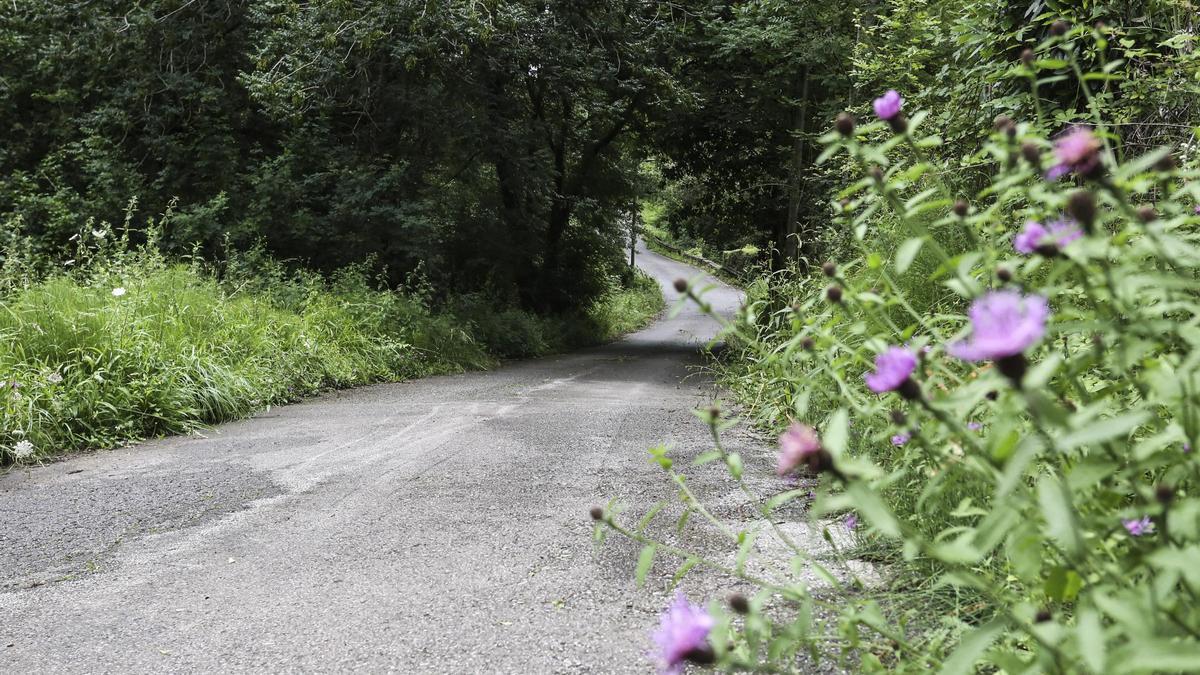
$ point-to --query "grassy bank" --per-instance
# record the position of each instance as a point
(134, 345)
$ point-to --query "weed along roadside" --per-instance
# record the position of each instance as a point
(131, 345)
(773, 336)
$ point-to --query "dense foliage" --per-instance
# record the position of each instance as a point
(486, 143)
(992, 381)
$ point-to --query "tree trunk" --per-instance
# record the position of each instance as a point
(791, 243)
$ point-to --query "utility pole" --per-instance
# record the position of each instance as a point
(633, 230)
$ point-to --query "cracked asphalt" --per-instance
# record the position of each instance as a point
(438, 525)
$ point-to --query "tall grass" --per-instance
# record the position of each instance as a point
(128, 344)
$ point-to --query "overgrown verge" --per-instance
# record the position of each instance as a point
(124, 343)
(996, 388)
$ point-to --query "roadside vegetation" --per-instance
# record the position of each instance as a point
(126, 343)
(967, 230)
(977, 348)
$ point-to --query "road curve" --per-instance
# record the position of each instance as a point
(438, 525)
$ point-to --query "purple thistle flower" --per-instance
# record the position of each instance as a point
(682, 635)
(851, 521)
(1196, 210)
(1138, 526)
(796, 445)
(888, 105)
(1003, 324)
(892, 369)
(1077, 151)
(1035, 236)
(1187, 448)
(974, 426)
(900, 439)
(1028, 239)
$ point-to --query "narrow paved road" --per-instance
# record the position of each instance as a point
(438, 525)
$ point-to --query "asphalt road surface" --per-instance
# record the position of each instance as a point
(438, 525)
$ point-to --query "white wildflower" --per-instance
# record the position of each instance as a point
(22, 449)
(99, 234)
(55, 377)
(118, 291)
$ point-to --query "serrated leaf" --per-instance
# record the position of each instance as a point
(1091, 638)
(907, 253)
(1103, 430)
(872, 507)
(835, 436)
(1059, 514)
(645, 560)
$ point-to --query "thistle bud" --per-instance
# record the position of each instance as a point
(1028, 57)
(1147, 214)
(1047, 250)
(909, 390)
(899, 418)
(829, 269)
(807, 344)
(1165, 494)
(739, 603)
(1167, 163)
(1032, 153)
(877, 174)
(1003, 122)
(597, 513)
(1003, 274)
(834, 293)
(961, 208)
(1014, 368)
(681, 285)
(844, 124)
(1059, 28)
(1082, 207)
(1043, 616)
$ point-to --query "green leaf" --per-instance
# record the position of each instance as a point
(1157, 655)
(1091, 638)
(1103, 430)
(836, 433)
(908, 253)
(1062, 584)
(783, 498)
(1060, 516)
(645, 560)
(872, 507)
(971, 647)
(645, 521)
(734, 462)
(745, 545)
